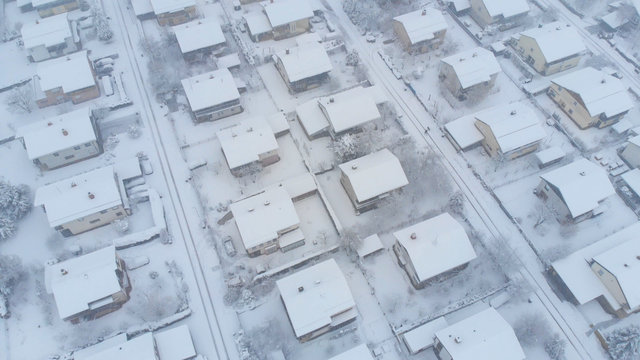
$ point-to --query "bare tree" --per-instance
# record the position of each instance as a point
(21, 99)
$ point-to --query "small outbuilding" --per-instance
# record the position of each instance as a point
(288, 18)
(631, 152)
(360, 352)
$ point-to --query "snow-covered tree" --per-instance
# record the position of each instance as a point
(101, 23)
(353, 59)
(7, 227)
(11, 273)
(21, 99)
(554, 347)
(624, 343)
(15, 203)
(532, 329)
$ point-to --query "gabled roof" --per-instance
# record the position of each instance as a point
(49, 31)
(166, 6)
(281, 12)
(257, 22)
(600, 93)
(582, 185)
(421, 25)
(60, 132)
(198, 34)
(360, 352)
(506, 8)
(138, 348)
(483, 336)
(374, 174)
(473, 66)
(623, 261)
(243, 144)
(556, 40)
(436, 245)
(513, 125)
(348, 109)
(261, 217)
(79, 196)
(175, 343)
(79, 282)
(210, 89)
(302, 62)
(313, 295)
(71, 72)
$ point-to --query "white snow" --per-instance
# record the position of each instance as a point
(422, 336)
(279, 123)
(298, 186)
(210, 89)
(246, 142)
(142, 7)
(71, 72)
(302, 62)
(615, 19)
(549, 155)
(422, 25)
(228, 61)
(464, 132)
(175, 343)
(167, 6)
(138, 348)
(50, 31)
(349, 109)
(513, 125)
(473, 66)
(257, 22)
(369, 245)
(632, 179)
(281, 12)
(360, 352)
(311, 118)
(506, 8)
(556, 40)
(198, 34)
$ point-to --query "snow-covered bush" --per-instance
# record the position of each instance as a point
(11, 273)
(532, 329)
(121, 225)
(554, 347)
(133, 131)
(15, 203)
(103, 29)
(624, 343)
(21, 99)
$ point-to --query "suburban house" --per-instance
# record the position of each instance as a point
(172, 344)
(486, 12)
(82, 202)
(288, 17)
(66, 78)
(61, 140)
(509, 131)
(360, 352)
(267, 221)
(174, 12)
(371, 178)
(49, 38)
(471, 73)
(551, 48)
(483, 336)
(213, 95)
(248, 144)
(317, 300)
(89, 286)
(420, 31)
(258, 26)
(574, 192)
(48, 8)
(199, 39)
(591, 97)
(433, 250)
(631, 152)
(303, 67)
(606, 271)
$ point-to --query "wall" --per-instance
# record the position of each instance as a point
(291, 29)
(63, 7)
(85, 224)
(570, 104)
(480, 14)
(610, 282)
(68, 156)
(178, 17)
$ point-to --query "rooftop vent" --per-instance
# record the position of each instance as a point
(300, 288)
(582, 173)
(211, 76)
(73, 184)
(65, 132)
(457, 339)
(513, 112)
(250, 209)
(91, 196)
(286, 51)
(332, 100)
(413, 236)
(558, 28)
(603, 81)
(354, 166)
(638, 257)
(539, 26)
(63, 271)
(626, 265)
(267, 203)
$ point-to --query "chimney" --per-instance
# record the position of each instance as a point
(300, 288)
(354, 166)
(286, 51)
(267, 203)
(582, 173)
(63, 272)
(457, 339)
(37, 21)
(49, 123)
(210, 76)
(251, 209)
(513, 112)
(626, 265)
(332, 100)
(413, 236)
(65, 132)
(91, 196)
(272, 1)
(424, 12)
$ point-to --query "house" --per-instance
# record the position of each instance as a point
(420, 31)
(66, 78)
(471, 73)
(89, 286)
(433, 250)
(61, 140)
(509, 131)
(172, 344)
(317, 300)
(591, 97)
(360, 352)
(174, 12)
(199, 39)
(213, 95)
(576, 190)
(371, 178)
(348, 110)
(631, 152)
(48, 8)
(258, 26)
(551, 48)
(605, 271)
(303, 67)
(288, 17)
(483, 336)
(263, 219)
(49, 38)
(486, 12)
(250, 143)
(82, 202)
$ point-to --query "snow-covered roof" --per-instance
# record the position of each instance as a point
(483, 336)
(243, 144)
(175, 343)
(632, 179)
(473, 66)
(210, 89)
(228, 61)
(436, 245)
(374, 174)
(257, 22)
(349, 109)
(635, 140)
(556, 40)
(582, 185)
(297, 186)
(78, 283)
(422, 25)
(167, 6)
(260, 218)
(141, 7)
(369, 245)
(79, 196)
(615, 19)
(600, 93)
(551, 154)
(198, 34)
(422, 337)
(60, 132)
(49, 31)
(313, 295)
(360, 352)
(307, 38)
(506, 8)
(513, 125)
(460, 5)
(71, 72)
(281, 12)
(623, 261)
(138, 348)
(302, 62)
(464, 131)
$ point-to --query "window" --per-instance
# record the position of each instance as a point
(570, 111)
(575, 103)
(76, 148)
(103, 211)
(119, 213)
(56, 154)
(87, 144)
(94, 221)
(546, 187)
(600, 272)
(69, 157)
